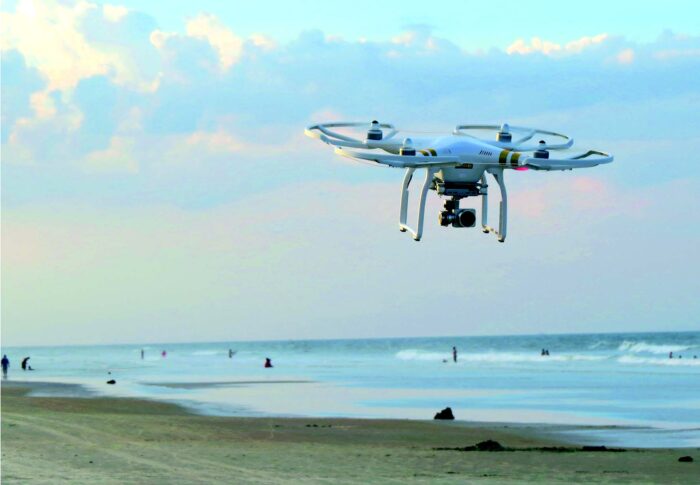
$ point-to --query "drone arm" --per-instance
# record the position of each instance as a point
(401, 161)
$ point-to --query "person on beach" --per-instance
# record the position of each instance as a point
(454, 354)
(670, 355)
(268, 363)
(5, 364)
(231, 353)
(25, 364)
(141, 354)
(164, 354)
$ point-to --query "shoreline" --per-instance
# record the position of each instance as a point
(90, 439)
(579, 433)
(65, 390)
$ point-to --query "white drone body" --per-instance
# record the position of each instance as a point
(456, 164)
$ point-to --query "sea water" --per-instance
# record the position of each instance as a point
(625, 386)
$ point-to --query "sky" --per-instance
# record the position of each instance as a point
(157, 185)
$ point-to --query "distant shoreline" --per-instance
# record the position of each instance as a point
(348, 339)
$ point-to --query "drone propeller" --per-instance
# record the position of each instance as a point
(591, 158)
(375, 138)
(514, 137)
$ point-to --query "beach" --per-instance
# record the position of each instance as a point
(124, 440)
(623, 388)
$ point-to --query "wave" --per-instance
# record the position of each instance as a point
(414, 354)
(421, 355)
(643, 347)
(208, 352)
(632, 359)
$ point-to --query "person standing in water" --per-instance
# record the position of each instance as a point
(141, 354)
(5, 364)
(25, 364)
(268, 363)
(454, 354)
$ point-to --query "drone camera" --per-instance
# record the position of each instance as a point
(457, 217)
(465, 218)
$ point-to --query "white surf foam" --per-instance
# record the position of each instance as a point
(632, 359)
(644, 347)
(494, 357)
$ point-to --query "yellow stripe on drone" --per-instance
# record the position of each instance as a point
(514, 159)
(425, 153)
(503, 156)
(432, 152)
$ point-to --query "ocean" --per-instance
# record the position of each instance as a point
(623, 386)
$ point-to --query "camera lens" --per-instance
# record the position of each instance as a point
(467, 219)
(445, 218)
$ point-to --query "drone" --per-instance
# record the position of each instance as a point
(456, 164)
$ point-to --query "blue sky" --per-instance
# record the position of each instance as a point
(156, 184)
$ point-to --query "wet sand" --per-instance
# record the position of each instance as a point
(110, 440)
(207, 385)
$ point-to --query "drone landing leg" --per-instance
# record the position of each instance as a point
(403, 227)
(503, 209)
(404, 198)
(485, 205)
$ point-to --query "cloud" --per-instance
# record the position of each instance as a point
(114, 13)
(320, 250)
(181, 154)
(227, 44)
(538, 45)
(19, 83)
(103, 65)
(625, 56)
(51, 37)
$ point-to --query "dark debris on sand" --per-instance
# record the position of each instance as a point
(445, 414)
(491, 445)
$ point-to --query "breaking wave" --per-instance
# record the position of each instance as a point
(643, 347)
(414, 354)
(495, 357)
(632, 359)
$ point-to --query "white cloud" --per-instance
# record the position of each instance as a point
(625, 56)
(538, 45)
(676, 53)
(48, 34)
(119, 157)
(227, 44)
(114, 13)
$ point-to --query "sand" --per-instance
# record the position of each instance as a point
(111, 440)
